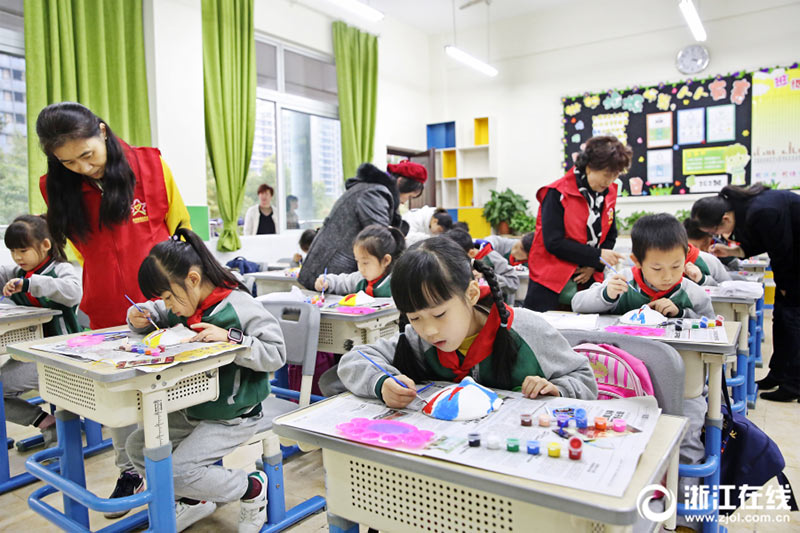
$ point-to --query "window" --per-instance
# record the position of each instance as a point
(13, 138)
(297, 141)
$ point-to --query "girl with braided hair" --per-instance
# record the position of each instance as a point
(456, 329)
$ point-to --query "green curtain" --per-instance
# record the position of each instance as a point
(356, 55)
(229, 78)
(87, 51)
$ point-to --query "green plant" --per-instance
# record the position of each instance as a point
(502, 206)
(683, 214)
(626, 223)
(661, 191)
(522, 223)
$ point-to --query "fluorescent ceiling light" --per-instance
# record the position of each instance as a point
(471, 61)
(359, 9)
(693, 20)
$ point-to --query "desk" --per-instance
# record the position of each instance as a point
(524, 277)
(395, 491)
(757, 265)
(273, 281)
(115, 398)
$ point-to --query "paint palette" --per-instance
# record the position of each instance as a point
(386, 433)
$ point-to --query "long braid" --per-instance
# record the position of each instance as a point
(504, 351)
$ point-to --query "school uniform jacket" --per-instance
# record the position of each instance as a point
(243, 383)
(112, 256)
(354, 282)
(506, 275)
(715, 272)
(543, 352)
(54, 285)
(691, 300)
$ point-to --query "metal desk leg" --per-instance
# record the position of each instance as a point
(759, 330)
(69, 435)
(739, 382)
(672, 485)
(337, 524)
(753, 360)
(713, 438)
(158, 461)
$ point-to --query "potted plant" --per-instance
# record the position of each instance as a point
(501, 208)
(522, 223)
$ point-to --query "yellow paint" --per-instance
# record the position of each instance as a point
(481, 131)
(554, 449)
(449, 163)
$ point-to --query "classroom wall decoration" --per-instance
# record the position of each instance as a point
(694, 136)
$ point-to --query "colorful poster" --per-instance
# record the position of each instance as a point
(776, 127)
(704, 160)
(712, 183)
(615, 124)
(659, 166)
(659, 130)
(721, 123)
(691, 126)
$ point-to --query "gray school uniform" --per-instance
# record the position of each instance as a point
(506, 275)
(717, 271)
(501, 245)
(567, 370)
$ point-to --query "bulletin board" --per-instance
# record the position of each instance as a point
(692, 136)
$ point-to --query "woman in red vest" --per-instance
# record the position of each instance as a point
(576, 225)
(113, 202)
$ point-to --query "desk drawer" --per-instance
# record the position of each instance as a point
(23, 334)
(86, 397)
(339, 336)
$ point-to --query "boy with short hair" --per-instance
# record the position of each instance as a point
(660, 246)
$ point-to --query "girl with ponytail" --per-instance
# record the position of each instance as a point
(457, 329)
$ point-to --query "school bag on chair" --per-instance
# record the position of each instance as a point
(618, 373)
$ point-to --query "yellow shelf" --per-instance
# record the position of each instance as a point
(448, 163)
(482, 131)
(465, 196)
(473, 216)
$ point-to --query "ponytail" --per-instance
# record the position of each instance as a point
(505, 349)
(708, 212)
(170, 261)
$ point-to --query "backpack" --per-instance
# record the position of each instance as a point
(243, 265)
(618, 373)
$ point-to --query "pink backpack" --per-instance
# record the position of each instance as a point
(618, 373)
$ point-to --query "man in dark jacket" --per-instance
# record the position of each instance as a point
(372, 197)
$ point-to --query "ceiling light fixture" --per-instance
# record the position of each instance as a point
(468, 59)
(689, 13)
(359, 9)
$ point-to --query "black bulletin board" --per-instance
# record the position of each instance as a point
(705, 173)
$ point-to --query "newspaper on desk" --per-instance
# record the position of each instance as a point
(606, 466)
(12, 310)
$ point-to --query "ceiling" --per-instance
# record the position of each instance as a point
(436, 16)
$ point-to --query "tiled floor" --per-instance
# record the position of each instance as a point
(305, 477)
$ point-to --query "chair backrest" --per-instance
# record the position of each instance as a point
(299, 323)
(663, 363)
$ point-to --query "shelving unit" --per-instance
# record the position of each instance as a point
(465, 173)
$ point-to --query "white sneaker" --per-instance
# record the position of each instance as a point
(253, 512)
(186, 515)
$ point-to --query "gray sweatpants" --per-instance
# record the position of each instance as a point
(196, 446)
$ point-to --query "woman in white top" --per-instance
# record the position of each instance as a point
(260, 218)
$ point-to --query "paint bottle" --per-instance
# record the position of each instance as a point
(474, 440)
(580, 418)
(572, 423)
(525, 419)
(600, 423)
(533, 447)
(544, 420)
(554, 449)
(575, 448)
(619, 425)
(493, 442)
(512, 444)
(562, 420)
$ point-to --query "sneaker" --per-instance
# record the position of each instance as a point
(253, 512)
(186, 515)
(128, 484)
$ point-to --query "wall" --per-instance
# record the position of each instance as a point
(593, 46)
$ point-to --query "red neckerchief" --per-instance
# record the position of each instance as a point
(654, 295)
(487, 248)
(513, 261)
(371, 284)
(480, 349)
(35, 270)
(692, 254)
(216, 296)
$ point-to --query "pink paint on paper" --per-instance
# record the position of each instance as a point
(386, 433)
(637, 331)
(355, 310)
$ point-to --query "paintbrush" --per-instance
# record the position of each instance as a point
(147, 315)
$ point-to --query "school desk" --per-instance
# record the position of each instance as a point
(754, 265)
(339, 332)
(115, 398)
(702, 360)
(273, 281)
(394, 491)
(524, 277)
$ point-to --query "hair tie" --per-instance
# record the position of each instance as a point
(176, 238)
(503, 325)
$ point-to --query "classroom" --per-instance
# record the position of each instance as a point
(399, 266)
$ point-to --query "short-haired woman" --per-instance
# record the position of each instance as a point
(260, 218)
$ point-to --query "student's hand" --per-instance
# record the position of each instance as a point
(208, 333)
(13, 285)
(611, 257)
(583, 274)
(396, 396)
(693, 272)
(297, 258)
(321, 284)
(138, 319)
(476, 275)
(665, 306)
(722, 250)
(617, 284)
(534, 386)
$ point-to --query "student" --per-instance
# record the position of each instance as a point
(659, 254)
(711, 266)
(195, 290)
(376, 249)
(461, 225)
(426, 221)
(765, 220)
(42, 278)
(113, 202)
(515, 251)
(453, 333)
(506, 276)
(306, 238)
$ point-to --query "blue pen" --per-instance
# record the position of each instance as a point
(365, 356)
(141, 311)
(324, 281)
(614, 270)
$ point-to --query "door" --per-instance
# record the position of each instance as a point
(428, 160)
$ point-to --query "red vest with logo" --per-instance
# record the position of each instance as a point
(112, 256)
(549, 270)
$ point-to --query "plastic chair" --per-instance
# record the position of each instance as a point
(299, 323)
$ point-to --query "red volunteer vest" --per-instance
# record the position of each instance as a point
(550, 271)
(112, 256)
